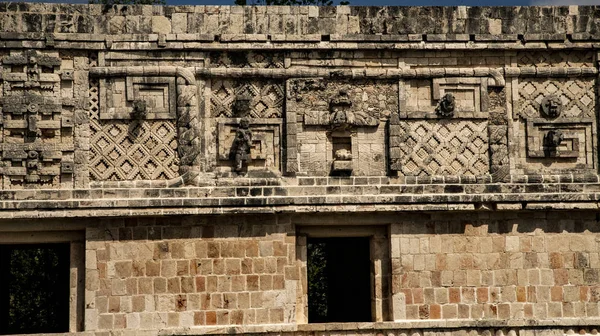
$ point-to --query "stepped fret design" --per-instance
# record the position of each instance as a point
(136, 150)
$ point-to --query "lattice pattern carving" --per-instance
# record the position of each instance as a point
(133, 150)
(577, 96)
(563, 59)
(266, 98)
(447, 147)
(243, 59)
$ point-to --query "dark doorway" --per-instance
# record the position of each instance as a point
(34, 288)
(339, 280)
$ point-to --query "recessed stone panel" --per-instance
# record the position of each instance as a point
(445, 147)
(118, 97)
(265, 150)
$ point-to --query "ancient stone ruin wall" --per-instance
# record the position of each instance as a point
(188, 153)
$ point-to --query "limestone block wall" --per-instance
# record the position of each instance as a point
(155, 273)
(526, 266)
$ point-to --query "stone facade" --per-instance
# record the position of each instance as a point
(189, 154)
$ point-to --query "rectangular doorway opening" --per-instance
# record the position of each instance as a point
(34, 288)
(339, 280)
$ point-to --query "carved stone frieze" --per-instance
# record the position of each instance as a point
(144, 135)
(567, 140)
(265, 98)
(31, 69)
(557, 58)
(445, 147)
(249, 145)
(576, 95)
(37, 119)
(558, 117)
(246, 59)
(120, 97)
(327, 115)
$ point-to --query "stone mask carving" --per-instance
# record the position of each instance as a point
(241, 105)
(553, 138)
(139, 109)
(551, 106)
(342, 116)
(446, 106)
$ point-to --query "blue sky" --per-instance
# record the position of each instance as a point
(399, 2)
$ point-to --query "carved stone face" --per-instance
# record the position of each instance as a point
(551, 106)
(553, 138)
(241, 105)
(446, 106)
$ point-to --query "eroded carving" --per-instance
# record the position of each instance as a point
(552, 139)
(551, 106)
(446, 106)
(148, 151)
(140, 109)
(37, 121)
(32, 74)
(260, 99)
(242, 144)
(342, 115)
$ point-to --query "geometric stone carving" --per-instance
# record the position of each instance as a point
(325, 115)
(444, 147)
(132, 149)
(556, 58)
(37, 122)
(160, 138)
(32, 116)
(551, 106)
(265, 98)
(421, 98)
(577, 95)
(29, 70)
(246, 59)
(264, 152)
(118, 97)
(568, 139)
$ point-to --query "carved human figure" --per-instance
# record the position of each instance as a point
(242, 144)
(551, 106)
(446, 106)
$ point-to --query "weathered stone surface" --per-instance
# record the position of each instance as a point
(119, 127)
